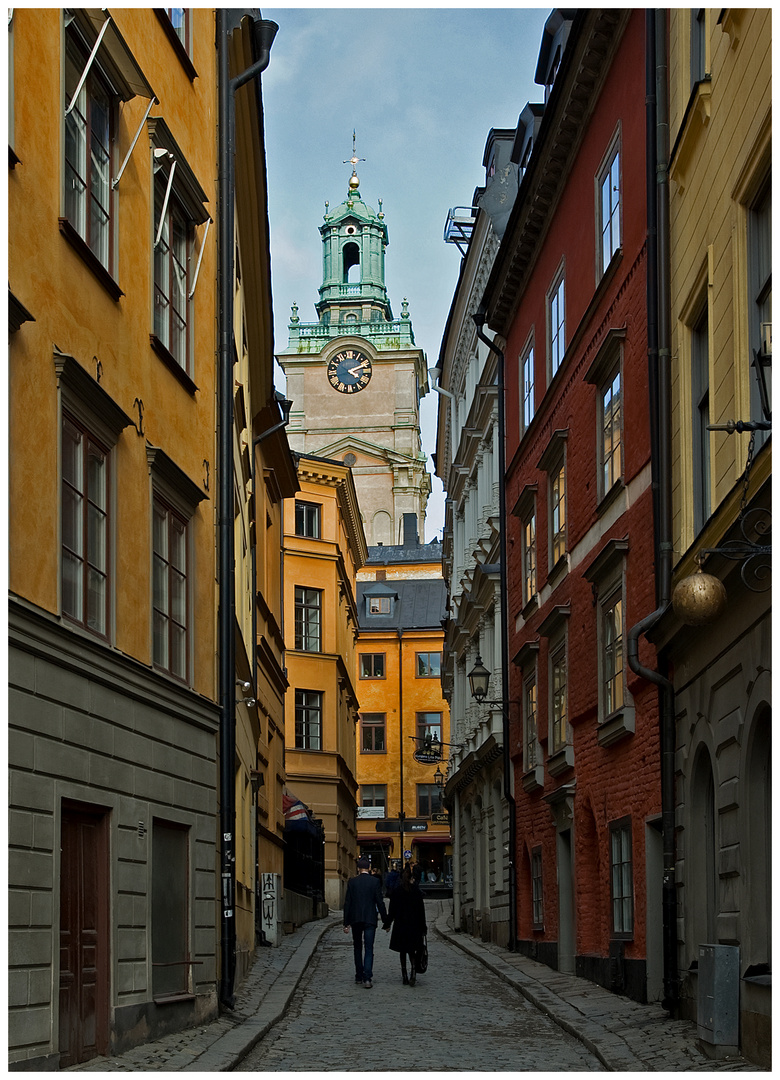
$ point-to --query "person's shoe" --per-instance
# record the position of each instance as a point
(413, 978)
(358, 980)
(368, 984)
(405, 980)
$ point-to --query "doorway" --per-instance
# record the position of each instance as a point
(84, 937)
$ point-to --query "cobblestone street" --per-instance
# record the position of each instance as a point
(459, 1017)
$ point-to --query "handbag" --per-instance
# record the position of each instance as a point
(421, 959)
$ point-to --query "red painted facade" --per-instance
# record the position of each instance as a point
(613, 776)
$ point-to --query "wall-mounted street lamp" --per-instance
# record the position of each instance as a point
(479, 681)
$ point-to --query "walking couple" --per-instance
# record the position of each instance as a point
(362, 906)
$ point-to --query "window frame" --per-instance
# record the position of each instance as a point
(620, 931)
(527, 384)
(425, 727)
(553, 462)
(374, 723)
(307, 600)
(175, 522)
(529, 555)
(701, 443)
(362, 657)
(417, 663)
(176, 222)
(308, 519)
(182, 48)
(385, 605)
(80, 233)
(559, 728)
(83, 488)
(308, 719)
(759, 284)
(429, 794)
(537, 888)
(555, 305)
(611, 168)
(607, 576)
(532, 749)
(609, 476)
(373, 789)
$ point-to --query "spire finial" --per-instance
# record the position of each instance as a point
(354, 183)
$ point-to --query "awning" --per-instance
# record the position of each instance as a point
(430, 839)
(373, 841)
(115, 55)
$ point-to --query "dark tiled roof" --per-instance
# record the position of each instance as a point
(385, 555)
(421, 604)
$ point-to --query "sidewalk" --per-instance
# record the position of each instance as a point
(624, 1035)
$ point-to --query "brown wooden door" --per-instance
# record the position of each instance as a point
(83, 935)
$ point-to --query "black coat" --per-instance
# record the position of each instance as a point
(364, 900)
(407, 915)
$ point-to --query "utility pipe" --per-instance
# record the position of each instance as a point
(401, 741)
(659, 370)
(226, 571)
(479, 318)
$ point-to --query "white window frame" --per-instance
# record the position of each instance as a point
(556, 322)
(609, 205)
(527, 380)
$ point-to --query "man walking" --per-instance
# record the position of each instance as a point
(362, 902)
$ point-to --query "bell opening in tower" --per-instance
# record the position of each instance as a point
(351, 256)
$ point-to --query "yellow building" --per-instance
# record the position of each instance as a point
(112, 619)
(720, 273)
(401, 604)
(264, 475)
(324, 547)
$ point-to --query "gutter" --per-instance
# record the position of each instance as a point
(479, 318)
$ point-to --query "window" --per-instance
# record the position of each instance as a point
(558, 514)
(179, 206)
(308, 612)
(372, 665)
(180, 21)
(428, 800)
(429, 724)
(374, 795)
(307, 519)
(558, 696)
(621, 874)
(760, 290)
(308, 720)
(698, 46)
(171, 271)
(556, 327)
(170, 909)
(608, 194)
(528, 555)
(700, 404)
(372, 740)
(537, 896)
(611, 448)
(85, 489)
(174, 503)
(170, 601)
(527, 386)
(379, 605)
(428, 665)
(612, 653)
(531, 748)
(89, 133)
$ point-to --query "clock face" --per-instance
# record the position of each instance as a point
(349, 371)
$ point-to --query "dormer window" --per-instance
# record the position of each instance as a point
(380, 605)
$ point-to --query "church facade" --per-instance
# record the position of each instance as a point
(356, 377)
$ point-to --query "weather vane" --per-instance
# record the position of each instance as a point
(354, 159)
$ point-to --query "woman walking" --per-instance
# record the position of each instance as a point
(407, 917)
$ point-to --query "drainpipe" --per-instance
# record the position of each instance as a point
(226, 572)
(659, 368)
(479, 318)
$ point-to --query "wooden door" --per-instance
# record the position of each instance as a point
(84, 877)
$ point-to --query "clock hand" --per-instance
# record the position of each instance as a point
(356, 370)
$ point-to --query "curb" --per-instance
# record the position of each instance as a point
(226, 1052)
(609, 1048)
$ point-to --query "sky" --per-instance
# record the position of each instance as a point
(422, 88)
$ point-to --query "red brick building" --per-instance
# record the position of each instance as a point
(567, 297)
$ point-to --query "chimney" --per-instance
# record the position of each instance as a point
(410, 531)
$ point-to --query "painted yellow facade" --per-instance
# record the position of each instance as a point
(407, 693)
(321, 560)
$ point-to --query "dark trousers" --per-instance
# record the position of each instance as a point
(363, 935)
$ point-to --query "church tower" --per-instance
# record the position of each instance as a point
(355, 377)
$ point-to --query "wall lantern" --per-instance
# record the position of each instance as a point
(479, 680)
